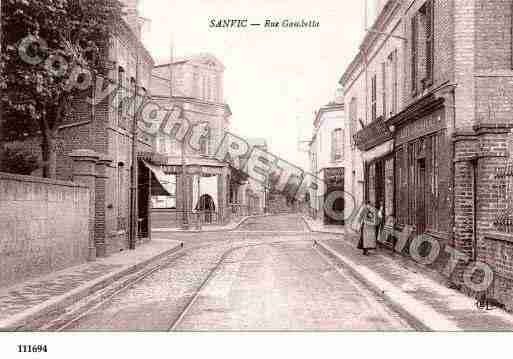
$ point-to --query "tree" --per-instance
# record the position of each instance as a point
(52, 49)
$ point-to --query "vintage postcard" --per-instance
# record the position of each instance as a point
(270, 166)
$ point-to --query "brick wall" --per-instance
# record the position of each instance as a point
(44, 226)
(493, 247)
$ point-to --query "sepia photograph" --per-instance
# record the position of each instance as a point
(269, 173)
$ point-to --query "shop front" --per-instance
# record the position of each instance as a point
(375, 142)
(333, 202)
(422, 168)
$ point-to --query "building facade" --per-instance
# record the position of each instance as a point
(253, 194)
(373, 93)
(329, 160)
(442, 152)
(197, 93)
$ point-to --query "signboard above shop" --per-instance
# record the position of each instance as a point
(334, 176)
(372, 135)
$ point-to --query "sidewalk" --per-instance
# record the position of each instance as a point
(210, 227)
(25, 302)
(318, 226)
(408, 288)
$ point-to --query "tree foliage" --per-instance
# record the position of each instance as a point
(18, 160)
(65, 35)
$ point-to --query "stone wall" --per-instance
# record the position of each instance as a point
(44, 226)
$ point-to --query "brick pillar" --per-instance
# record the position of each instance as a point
(100, 208)
(84, 173)
(466, 147)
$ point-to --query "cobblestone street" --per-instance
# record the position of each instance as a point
(246, 280)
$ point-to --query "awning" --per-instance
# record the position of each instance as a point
(161, 183)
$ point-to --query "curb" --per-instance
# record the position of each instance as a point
(57, 305)
(316, 231)
(226, 229)
(391, 300)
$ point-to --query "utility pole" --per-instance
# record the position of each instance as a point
(133, 185)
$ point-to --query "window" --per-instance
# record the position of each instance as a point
(414, 35)
(162, 145)
(373, 98)
(204, 143)
(395, 81)
(337, 144)
(353, 122)
(121, 95)
(428, 12)
(422, 47)
(384, 87)
(400, 184)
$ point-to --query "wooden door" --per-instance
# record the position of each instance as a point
(421, 196)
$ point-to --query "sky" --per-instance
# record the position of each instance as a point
(274, 80)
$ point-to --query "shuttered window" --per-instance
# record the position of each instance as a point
(414, 36)
(429, 14)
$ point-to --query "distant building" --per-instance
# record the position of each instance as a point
(197, 90)
(255, 194)
(329, 160)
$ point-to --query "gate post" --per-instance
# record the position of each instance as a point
(84, 173)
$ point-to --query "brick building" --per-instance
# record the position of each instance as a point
(447, 137)
(104, 130)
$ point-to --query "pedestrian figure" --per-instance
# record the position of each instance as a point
(380, 220)
(368, 226)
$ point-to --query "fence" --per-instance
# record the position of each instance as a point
(504, 217)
